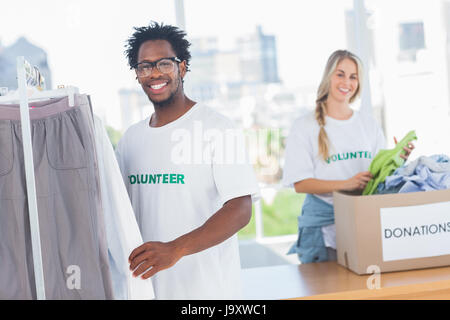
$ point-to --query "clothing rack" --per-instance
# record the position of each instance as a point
(31, 86)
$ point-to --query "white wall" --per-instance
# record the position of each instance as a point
(415, 94)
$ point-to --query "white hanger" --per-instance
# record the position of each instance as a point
(35, 94)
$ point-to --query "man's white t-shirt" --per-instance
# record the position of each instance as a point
(353, 144)
(177, 177)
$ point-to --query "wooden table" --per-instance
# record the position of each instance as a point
(328, 280)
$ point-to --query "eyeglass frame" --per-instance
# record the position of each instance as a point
(154, 64)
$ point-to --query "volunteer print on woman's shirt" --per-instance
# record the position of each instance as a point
(177, 177)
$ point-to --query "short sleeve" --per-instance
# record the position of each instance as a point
(374, 131)
(233, 173)
(298, 164)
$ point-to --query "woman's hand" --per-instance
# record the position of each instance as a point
(358, 181)
(407, 149)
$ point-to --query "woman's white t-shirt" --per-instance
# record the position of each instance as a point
(353, 144)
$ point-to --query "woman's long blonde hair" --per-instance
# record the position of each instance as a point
(322, 95)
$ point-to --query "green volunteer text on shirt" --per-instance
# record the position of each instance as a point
(160, 178)
(386, 162)
(349, 156)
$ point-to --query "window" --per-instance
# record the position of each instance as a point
(411, 40)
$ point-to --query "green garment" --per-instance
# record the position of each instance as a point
(386, 162)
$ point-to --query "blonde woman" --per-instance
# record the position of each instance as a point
(330, 150)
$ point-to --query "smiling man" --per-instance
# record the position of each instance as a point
(188, 213)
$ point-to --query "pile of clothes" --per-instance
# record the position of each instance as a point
(386, 162)
(392, 175)
(426, 173)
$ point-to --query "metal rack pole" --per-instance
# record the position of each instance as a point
(30, 180)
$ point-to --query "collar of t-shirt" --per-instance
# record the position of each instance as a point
(338, 122)
(176, 122)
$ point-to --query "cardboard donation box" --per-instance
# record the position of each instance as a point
(392, 232)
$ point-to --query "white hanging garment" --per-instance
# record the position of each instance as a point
(122, 230)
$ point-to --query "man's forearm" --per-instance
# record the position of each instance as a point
(154, 256)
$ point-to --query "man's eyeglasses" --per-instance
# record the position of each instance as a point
(164, 65)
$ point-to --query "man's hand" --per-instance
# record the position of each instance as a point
(155, 255)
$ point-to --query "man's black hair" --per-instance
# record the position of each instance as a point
(155, 31)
